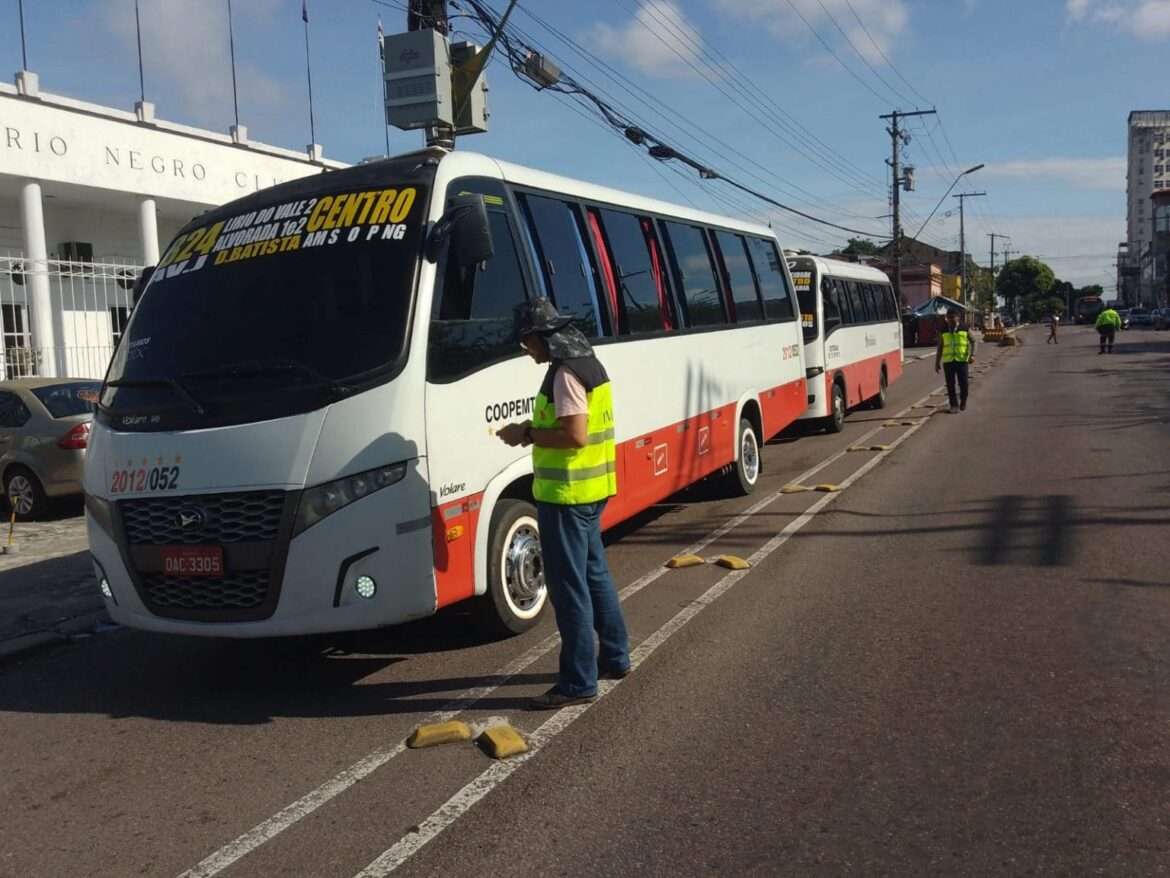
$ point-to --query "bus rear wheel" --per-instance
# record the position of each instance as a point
(878, 400)
(516, 590)
(745, 471)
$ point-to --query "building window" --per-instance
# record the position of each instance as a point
(19, 357)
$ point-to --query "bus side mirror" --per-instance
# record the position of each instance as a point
(140, 285)
(465, 229)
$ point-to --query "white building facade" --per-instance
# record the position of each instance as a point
(1148, 172)
(88, 194)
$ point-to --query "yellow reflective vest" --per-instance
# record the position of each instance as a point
(956, 346)
(572, 476)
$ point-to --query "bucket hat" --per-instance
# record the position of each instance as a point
(538, 317)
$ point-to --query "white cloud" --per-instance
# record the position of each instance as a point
(1145, 19)
(659, 41)
(885, 21)
(1080, 173)
(185, 45)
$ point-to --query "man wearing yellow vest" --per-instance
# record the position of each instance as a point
(574, 459)
(1108, 322)
(956, 348)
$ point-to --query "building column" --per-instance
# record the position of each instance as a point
(36, 259)
(148, 230)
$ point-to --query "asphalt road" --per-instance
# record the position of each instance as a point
(958, 665)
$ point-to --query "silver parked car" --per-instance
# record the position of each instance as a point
(44, 431)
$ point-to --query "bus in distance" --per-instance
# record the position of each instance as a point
(297, 432)
(852, 336)
(1086, 309)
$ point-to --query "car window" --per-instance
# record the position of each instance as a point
(66, 400)
(13, 412)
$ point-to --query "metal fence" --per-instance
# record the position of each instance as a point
(90, 303)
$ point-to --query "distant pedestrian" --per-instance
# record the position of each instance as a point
(1108, 322)
(574, 467)
(1053, 320)
(956, 349)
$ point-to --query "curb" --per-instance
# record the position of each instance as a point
(64, 631)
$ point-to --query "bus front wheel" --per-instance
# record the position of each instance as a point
(835, 422)
(516, 589)
(878, 400)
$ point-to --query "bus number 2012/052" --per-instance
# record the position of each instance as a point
(159, 478)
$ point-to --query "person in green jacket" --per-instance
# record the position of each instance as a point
(1108, 322)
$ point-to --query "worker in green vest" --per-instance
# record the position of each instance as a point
(1108, 322)
(956, 349)
(574, 457)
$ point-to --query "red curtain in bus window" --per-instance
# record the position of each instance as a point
(606, 266)
(656, 268)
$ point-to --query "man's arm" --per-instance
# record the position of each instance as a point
(971, 345)
(572, 432)
(938, 354)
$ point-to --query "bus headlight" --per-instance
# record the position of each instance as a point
(322, 501)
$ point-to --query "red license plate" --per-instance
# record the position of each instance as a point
(193, 561)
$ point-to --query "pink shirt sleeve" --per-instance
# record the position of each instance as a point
(569, 393)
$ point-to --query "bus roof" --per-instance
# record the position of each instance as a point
(460, 162)
(841, 268)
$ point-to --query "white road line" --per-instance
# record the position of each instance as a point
(460, 803)
(293, 813)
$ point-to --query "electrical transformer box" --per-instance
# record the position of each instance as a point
(417, 68)
(471, 112)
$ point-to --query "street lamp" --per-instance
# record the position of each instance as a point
(945, 194)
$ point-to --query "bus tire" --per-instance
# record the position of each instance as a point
(516, 592)
(835, 422)
(745, 471)
(878, 400)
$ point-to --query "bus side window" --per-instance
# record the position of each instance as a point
(891, 301)
(562, 257)
(779, 303)
(738, 272)
(854, 291)
(840, 296)
(871, 304)
(472, 312)
(639, 309)
(695, 275)
(833, 316)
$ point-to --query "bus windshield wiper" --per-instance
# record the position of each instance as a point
(173, 383)
(269, 367)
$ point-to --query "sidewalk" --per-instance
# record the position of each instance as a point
(47, 588)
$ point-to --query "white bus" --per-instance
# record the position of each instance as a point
(852, 336)
(297, 432)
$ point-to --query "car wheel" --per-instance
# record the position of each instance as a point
(26, 495)
(516, 593)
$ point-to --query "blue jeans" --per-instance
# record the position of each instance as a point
(583, 595)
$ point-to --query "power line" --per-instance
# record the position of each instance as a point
(880, 51)
(829, 49)
(721, 65)
(860, 55)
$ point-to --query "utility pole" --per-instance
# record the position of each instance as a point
(963, 244)
(897, 138)
(993, 236)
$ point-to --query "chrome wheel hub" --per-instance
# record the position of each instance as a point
(524, 568)
(749, 454)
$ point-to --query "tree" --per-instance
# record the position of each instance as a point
(1026, 285)
(860, 247)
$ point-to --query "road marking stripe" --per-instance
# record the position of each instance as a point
(460, 803)
(293, 813)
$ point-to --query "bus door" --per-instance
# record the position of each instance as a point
(478, 380)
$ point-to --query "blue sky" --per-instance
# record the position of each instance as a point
(1039, 90)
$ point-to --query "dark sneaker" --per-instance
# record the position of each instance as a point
(555, 700)
(963, 406)
(613, 673)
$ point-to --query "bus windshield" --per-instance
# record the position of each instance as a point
(273, 308)
(803, 279)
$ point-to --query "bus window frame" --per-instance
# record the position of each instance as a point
(729, 292)
(524, 256)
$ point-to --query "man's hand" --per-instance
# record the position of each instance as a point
(937, 367)
(514, 434)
